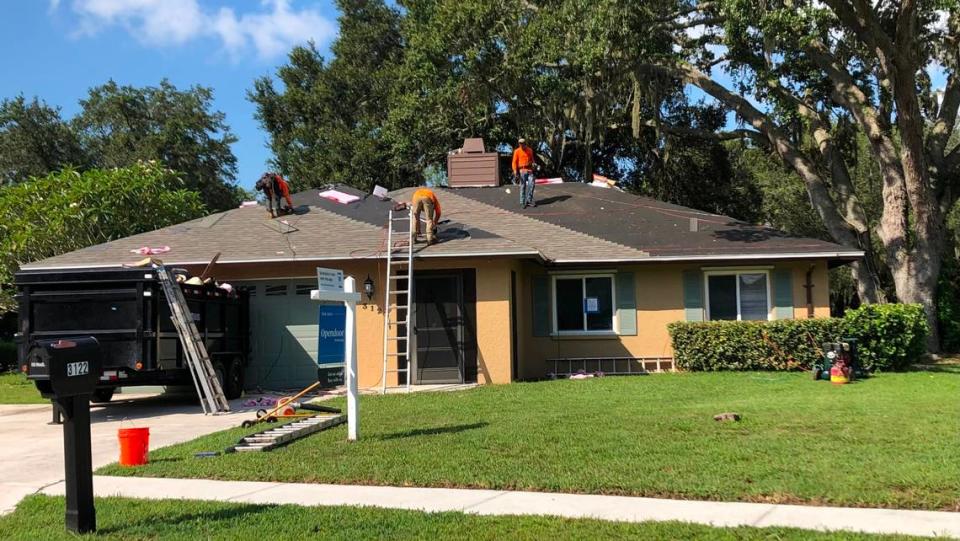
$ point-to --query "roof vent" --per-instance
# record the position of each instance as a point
(694, 225)
(471, 166)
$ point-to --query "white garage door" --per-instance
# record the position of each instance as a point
(283, 334)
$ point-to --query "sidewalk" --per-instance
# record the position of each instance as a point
(499, 502)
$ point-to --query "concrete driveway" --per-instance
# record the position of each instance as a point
(31, 453)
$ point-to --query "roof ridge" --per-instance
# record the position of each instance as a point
(567, 230)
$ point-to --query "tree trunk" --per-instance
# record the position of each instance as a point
(918, 284)
(867, 289)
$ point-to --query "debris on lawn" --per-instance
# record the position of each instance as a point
(729, 416)
(260, 402)
(583, 374)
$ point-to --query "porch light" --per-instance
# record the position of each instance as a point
(368, 287)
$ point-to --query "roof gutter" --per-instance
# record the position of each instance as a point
(526, 253)
(737, 257)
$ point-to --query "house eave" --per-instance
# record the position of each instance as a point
(849, 256)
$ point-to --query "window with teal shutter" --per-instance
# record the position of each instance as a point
(693, 295)
(626, 304)
(783, 294)
(542, 319)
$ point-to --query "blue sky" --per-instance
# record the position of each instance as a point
(57, 50)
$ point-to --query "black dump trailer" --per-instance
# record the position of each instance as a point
(126, 311)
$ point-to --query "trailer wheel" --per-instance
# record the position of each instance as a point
(221, 375)
(102, 396)
(234, 376)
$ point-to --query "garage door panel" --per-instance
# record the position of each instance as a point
(283, 336)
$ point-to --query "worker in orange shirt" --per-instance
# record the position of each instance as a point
(274, 187)
(523, 165)
(426, 202)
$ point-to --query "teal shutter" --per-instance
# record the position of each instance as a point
(693, 295)
(783, 294)
(542, 320)
(626, 304)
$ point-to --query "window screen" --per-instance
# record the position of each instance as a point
(599, 289)
(570, 304)
(753, 296)
(584, 303)
(738, 296)
(723, 296)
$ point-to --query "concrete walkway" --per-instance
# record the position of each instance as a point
(498, 502)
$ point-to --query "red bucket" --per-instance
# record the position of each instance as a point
(134, 446)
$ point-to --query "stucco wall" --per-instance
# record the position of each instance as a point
(659, 300)
(492, 309)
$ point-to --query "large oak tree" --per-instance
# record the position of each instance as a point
(800, 72)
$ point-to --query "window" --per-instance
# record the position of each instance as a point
(738, 295)
(583, 304)
(277, 290)
(304, 289)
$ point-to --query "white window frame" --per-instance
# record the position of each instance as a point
(614, 323)
(737, 273)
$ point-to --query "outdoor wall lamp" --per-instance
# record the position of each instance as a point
(368, 287)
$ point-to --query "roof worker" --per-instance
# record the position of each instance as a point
(425, 201)
(274, 187)
(523, 166)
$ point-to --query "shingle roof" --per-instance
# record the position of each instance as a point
(572, 223)
(661, 230)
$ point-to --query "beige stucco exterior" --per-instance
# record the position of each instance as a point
(658, 290)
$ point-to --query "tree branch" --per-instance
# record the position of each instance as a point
(684, 131)
(838, 228)
(946, 118)
(858, 15)
(700, 7)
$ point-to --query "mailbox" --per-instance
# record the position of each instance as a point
(65, 367)
(67, 370)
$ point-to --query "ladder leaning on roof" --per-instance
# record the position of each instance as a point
(399, 275)
(212, 399)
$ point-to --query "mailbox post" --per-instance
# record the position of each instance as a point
(66, 371)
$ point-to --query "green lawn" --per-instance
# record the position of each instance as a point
(41, 517)
(16, 389)
(890, 441)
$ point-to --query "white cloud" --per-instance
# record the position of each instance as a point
(268, 30)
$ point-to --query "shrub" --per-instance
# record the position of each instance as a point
(889, 338)
(751, 345)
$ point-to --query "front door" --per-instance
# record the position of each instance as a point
(440, 329)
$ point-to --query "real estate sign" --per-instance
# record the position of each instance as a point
(329, 279)
(331, 345)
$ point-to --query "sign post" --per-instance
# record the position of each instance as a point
(344, 290)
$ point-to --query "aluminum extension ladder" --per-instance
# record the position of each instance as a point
(399, 274)
(212, 399)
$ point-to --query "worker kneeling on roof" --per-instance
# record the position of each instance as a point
(274, 187)
(425, 201)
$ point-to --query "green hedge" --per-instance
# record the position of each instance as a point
(889, 337)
